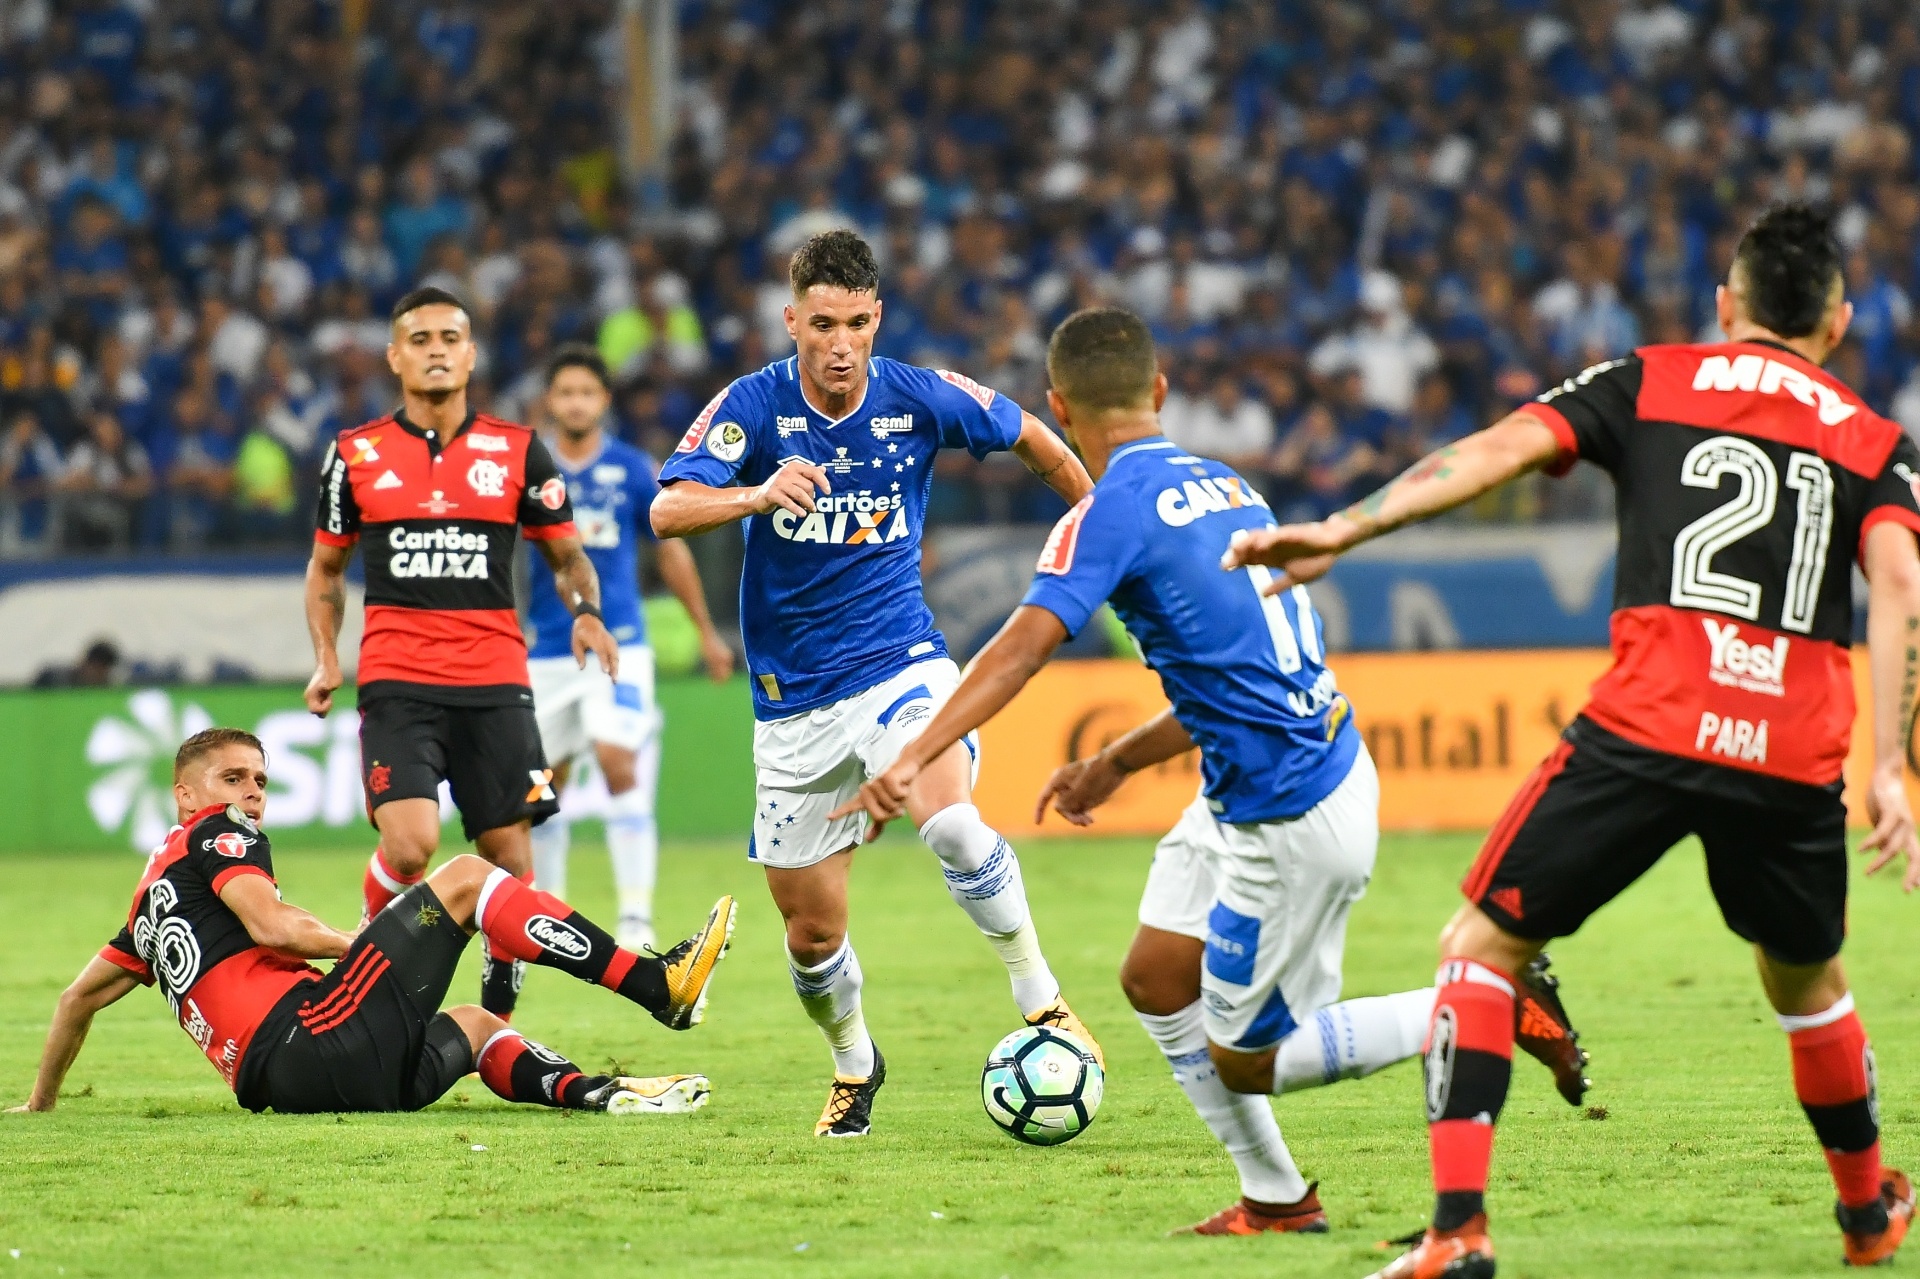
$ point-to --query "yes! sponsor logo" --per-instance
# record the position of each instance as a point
(1181, 506)
(558, 937)
(1771, 377)
(847, 519)
(1733, 662)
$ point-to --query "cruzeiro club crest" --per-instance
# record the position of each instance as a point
(136, 790)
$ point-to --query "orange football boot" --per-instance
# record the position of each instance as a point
(1877, 1247)
(1466, 1253)
(1303, 1216)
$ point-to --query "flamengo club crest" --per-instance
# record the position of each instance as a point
(487, 478)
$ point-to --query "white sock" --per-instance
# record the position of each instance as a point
(634, 843)
(550, 841)
(830, 992)
(1351, 1039)
(983, 878)
(1244, 1123)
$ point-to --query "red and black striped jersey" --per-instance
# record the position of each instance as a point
(437, 520)
(1746, 478)
(219, 983)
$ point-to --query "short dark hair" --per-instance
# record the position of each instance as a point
(425, 295)
(1788, 261)
(206, 742)
(838, 259)
(579, 355)
(1102, 358)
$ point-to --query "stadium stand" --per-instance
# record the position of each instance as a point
(1357, 229)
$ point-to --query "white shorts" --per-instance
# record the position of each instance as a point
(1270, 900)
(577, 708)
(809, 764)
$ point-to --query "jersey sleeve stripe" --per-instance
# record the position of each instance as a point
(548, 532)
(1556, 421)
(1883, 515)
(325, 538)
(132, 964)
(220, 881)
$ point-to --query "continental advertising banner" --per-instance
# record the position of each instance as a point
(1453, 734)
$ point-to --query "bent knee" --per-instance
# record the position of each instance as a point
(1243, 1072)
(813, 941)
(1155, 991)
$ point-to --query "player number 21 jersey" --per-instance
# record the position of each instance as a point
(1747, 479)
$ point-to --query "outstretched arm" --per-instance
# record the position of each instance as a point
(1454, 475)
(1047, 456)
(326, 611)
(1893, 644)
(579, 588)
(100, 983)
(686, 507)
(1000, 670)
(1078, 788)
(678, 571)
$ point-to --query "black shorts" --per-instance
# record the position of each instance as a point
(1590, 821)
(370, 1034)
(490, 755)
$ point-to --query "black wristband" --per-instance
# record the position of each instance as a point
(589, 609)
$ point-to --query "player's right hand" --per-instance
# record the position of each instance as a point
(1893, 829)
(1304, 551)
(1076, 789)
(791, 488)
(320, 689)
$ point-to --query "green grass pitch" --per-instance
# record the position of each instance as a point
(1702, 1164)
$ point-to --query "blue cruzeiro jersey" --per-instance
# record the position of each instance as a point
(830, 602)
(610, 495)
(1246, 673)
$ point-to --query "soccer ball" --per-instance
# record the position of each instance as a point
(1042, 1086)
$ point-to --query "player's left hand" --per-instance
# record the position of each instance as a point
(1893, 829)
(590, 635)
(884, 798)
(717, 656)
(1077, 788)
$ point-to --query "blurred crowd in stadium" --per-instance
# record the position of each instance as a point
(1357, 228)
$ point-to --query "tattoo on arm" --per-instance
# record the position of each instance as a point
(574, 576)
(1909, 689)
(1367, 510)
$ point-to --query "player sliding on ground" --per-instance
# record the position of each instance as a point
(209, 928)
(611, 485)
(1235, 969)
(1749, 479)
(828, 457)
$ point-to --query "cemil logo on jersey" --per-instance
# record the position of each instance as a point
(847, 519)
(1735, 663)
(1179, 507)
(789, 425)
(1771, 377)
(487, 478)
(882, 427)
(230, 843)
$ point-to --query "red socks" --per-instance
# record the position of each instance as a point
(1833, 1076)
(520, 1070)
(1468, 1065)
(382, 883)
(524, 923)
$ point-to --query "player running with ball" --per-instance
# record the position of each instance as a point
(1235, 969)
(1749, 481)
(610, 484)
(828, 457)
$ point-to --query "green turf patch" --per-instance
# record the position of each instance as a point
(1691, 1158)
